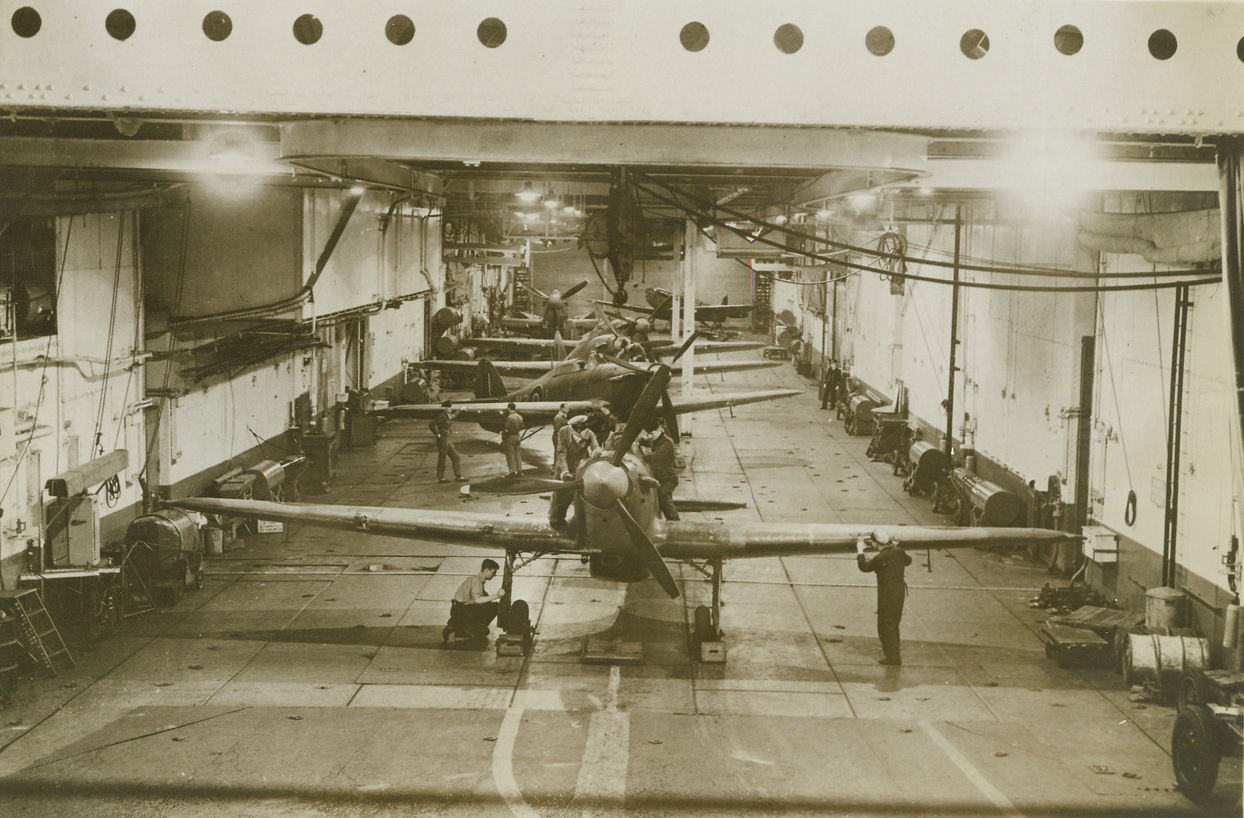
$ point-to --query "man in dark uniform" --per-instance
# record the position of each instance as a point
(559, 420)
(889, 564)
(575, 443)
(473, 608)
(442, 427)
(660, 456)
(829, 386)
(512, 440)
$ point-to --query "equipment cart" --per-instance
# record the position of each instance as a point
(1210, 725)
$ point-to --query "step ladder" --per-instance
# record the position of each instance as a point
(36, 631)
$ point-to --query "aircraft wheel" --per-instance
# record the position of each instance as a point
(519, 618)
(1194, 751)
(1193, 689)
(704, 630)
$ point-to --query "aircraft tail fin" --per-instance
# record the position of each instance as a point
(488, 383)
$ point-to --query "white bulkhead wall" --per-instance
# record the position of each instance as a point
(1130, 421)
(65, 388)
(1019, 355)
(379, 262)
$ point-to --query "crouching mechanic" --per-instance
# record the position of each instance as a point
(473, 608)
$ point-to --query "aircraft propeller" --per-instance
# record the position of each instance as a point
(641, 415)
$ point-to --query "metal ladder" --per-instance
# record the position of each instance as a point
(36, 631)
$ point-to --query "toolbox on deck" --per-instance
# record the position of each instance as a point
(1074, 646)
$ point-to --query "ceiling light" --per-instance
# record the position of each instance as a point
(358, 190)
(862, 200)
(779, 218)
(823, 214)
(550, 200)
(527, 194)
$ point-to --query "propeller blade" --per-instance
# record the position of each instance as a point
(535, 292)
(686, 345)
(671, 417)
(641, 412)
(697, 504)
(651, 556)
(574, 290)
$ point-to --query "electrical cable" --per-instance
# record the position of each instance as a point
(710, 208)
(970, 284)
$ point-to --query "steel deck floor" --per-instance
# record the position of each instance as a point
(308, 678)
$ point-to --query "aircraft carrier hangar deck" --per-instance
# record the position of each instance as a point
(308, 676)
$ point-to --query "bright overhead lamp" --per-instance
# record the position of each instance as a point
(550, 200)
(528, 193)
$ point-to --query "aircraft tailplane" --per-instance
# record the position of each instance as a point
(488, 383)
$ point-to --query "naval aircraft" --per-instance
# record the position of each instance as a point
(617, 528)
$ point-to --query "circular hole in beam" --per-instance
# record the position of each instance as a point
(26, 22)
(788, 38)
(491, 32)
(879, 41)
(217, 26)
(308, 29)
(694, 37)
(974, 44)
(1068, 40)
(1162, 44)
(400, 29)
(120, 24)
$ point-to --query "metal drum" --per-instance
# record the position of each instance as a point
(927, 461)
(269, 477)
(997, 506)
(165, 549)
(860, 414)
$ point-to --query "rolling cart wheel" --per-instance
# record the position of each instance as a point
(704, 631)
(1193, 689)
(519, 619)
(1194, 751)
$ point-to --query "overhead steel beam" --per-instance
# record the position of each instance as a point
(602, 144)
(177, 156)
(1087, 65)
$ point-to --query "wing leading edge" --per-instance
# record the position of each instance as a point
(484, 530)
(694, 540)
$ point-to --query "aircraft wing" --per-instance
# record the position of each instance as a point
(722, 400)
(716, 367)
(535, 413)
(520, 323)
(715, 313)
(741, 540)
(532, 345)
(533, 368)
(705, 347)
(485, 530)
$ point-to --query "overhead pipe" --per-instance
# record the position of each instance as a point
(947, 447)
(284, 305)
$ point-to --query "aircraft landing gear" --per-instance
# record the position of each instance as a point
(706, 632)
(518, 635)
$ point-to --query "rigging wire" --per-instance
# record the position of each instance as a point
(971, 284)
(47, 355)
(710, 208)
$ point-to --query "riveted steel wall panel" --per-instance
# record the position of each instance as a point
(601, 61)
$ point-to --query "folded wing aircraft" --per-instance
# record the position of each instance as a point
(583, 381)
(616, 526)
